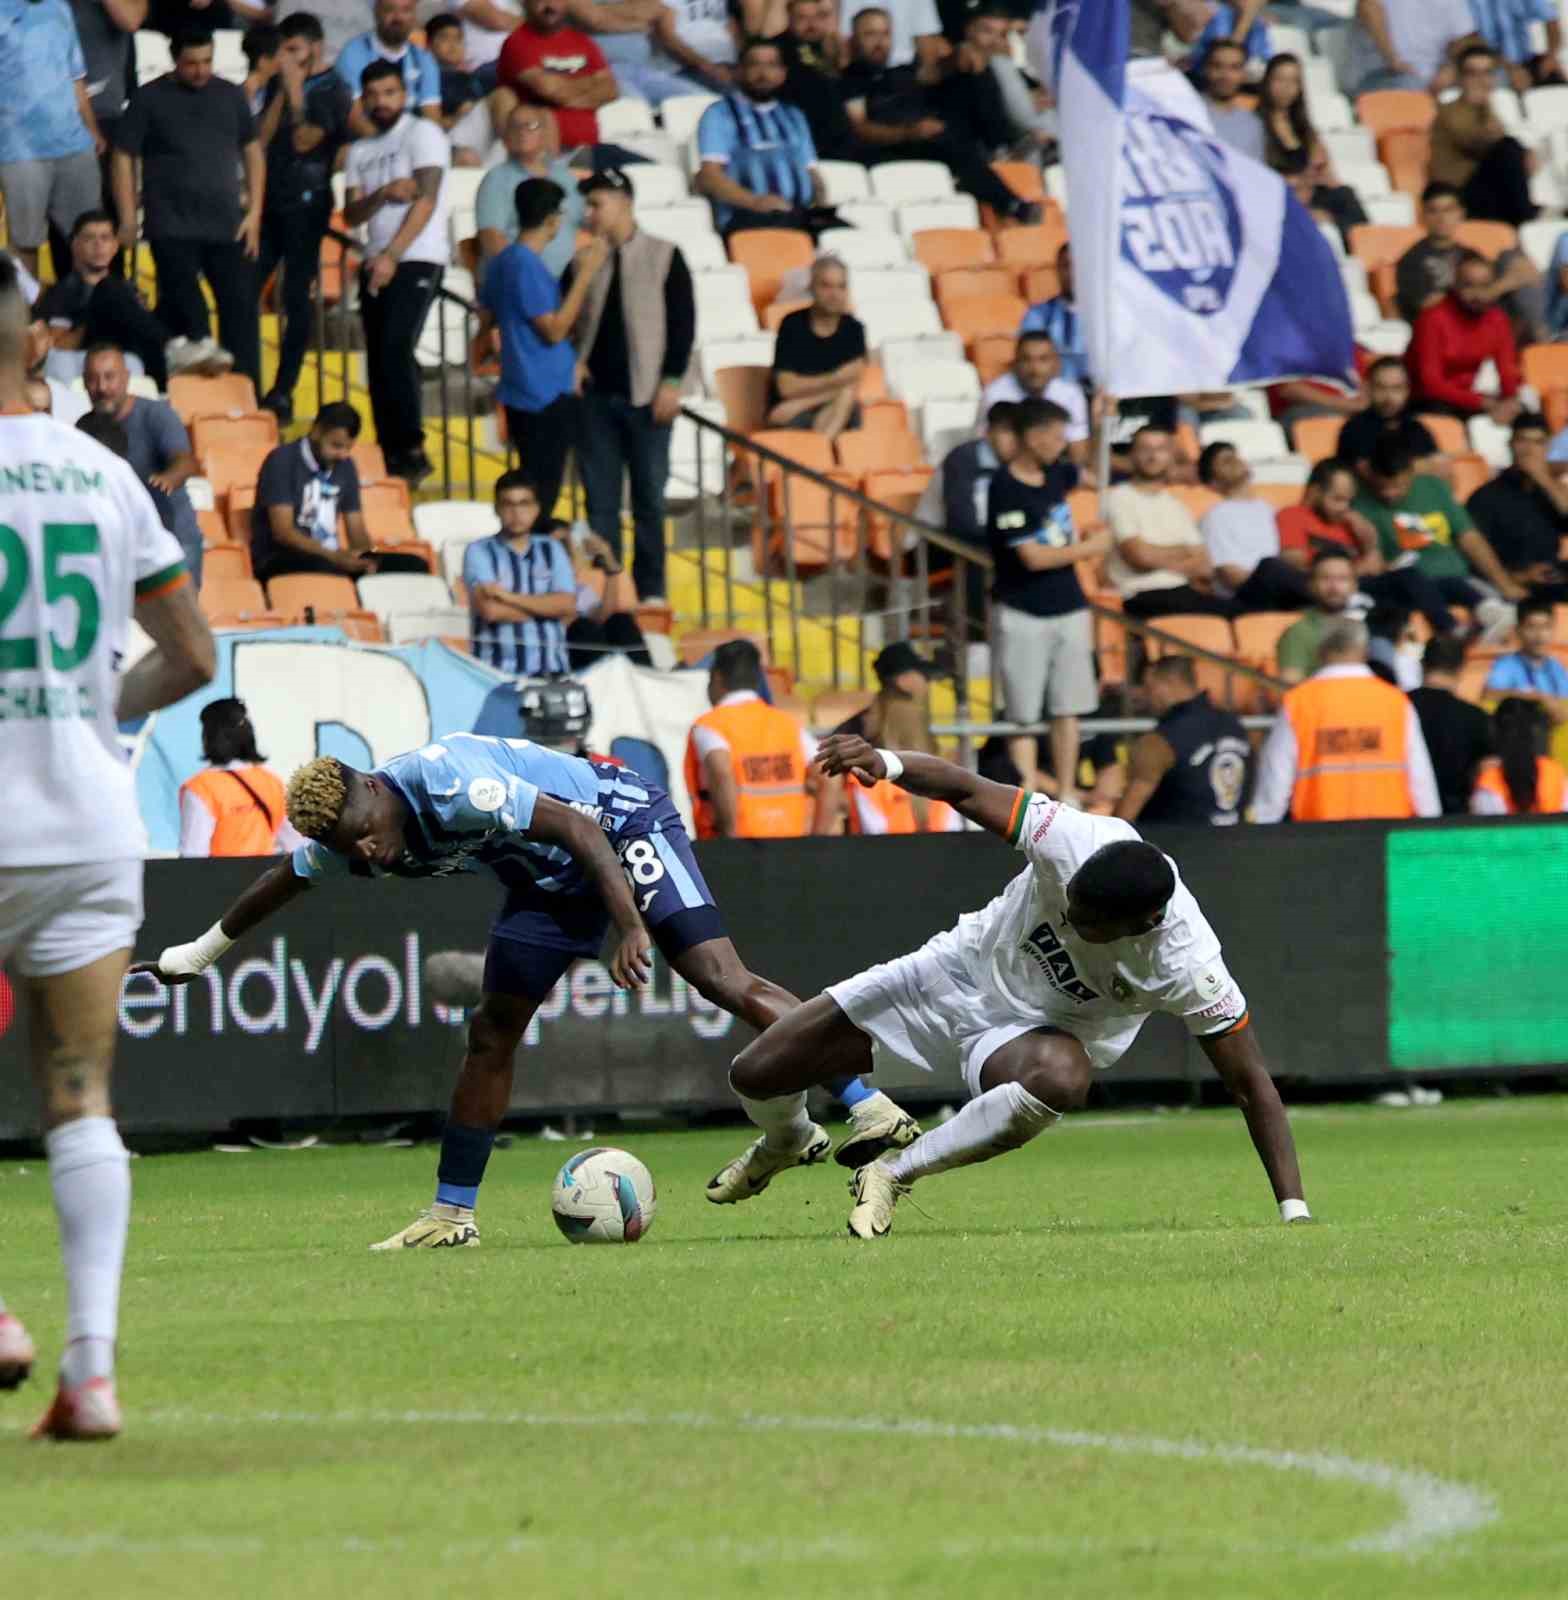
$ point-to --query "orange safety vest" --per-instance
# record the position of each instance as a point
(883, 808)
(769, 767)
(942, 818)
(243, 827)
(1550, 782)
(1351, 756)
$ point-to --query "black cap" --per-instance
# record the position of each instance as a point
(897, 659)
(608, 178)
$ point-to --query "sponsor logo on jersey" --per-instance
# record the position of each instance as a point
(486, 794)
(1051, 808)
(1046, 950)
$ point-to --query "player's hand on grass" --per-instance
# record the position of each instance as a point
(632, 964)
(843, 753)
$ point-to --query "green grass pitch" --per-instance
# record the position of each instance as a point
(749, 1403)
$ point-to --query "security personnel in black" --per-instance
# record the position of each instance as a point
(1196, 765)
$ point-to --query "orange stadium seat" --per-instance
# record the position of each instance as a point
(369, 461)
(321, 592)
(1489, 239)
(1317, 438)
(241, 504)
(861, 451)
(1383, 110)
(1449, 432)
(811, 528)
(1208, 633)
(1545, 366)
(1031, 247)
(214, 530)
(233, 466)
(964, 283)
(993, 354)
(234, 432)
(944, 249)
(1195, 497)
(1258, 635)
(1407, 153)
(245, 621)
(767, 254)
(985, 316)
(1279, 495)
(193, 397)
(236, 596)
(743, 392)
(1378, 247)
(776, 313)
(1024, 178)
(873, 382)
(1471, 472)
(696, 643)
(795, 444)
(225, 561)
(884, 416)
(389, 519)
(1040, 283)
(899, 491)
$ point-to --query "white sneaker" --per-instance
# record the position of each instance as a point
(17, 1352)
(877, 1126)
(757, 1166)
(440, 1228)
(876, 1191)
(213, 359)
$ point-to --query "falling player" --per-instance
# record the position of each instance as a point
(578, 845)
(1027, 998)
(80, 542)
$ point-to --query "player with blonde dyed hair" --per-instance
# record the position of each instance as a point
(316, 794)
(81, 546)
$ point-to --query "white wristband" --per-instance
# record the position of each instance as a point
(895, 767)
(185, 960)
(1294, 1211)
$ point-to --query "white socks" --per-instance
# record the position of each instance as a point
(783, 1121)
(90, 1172)
(999, 1120)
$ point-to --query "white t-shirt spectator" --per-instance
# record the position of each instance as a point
(911, 19)
(705, 26)
(1160, 518)
(411, 143)
(483, 45)
(1059, 391)
(1239, 533)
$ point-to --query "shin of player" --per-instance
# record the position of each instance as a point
(1026, 998)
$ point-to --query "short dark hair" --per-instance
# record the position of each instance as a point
(1532, 608)
(189, 39)
(1331, 555)
(1445, 652)
(535, 201)
(1530, 422)
(1383, 363)
(260, 41)
(1325, 472)
(441, 23)
(337, 414)
(516, 478)
(1471, 51)
(1178, 667)
(1437, 190)
(1223, 44)
(1038, 414)
(107, 431)
(754, 43)
(102, 347)
(1389, 458)
(86, 219)
(1127, 878)
(1034, 336)
(1004, 414)
(739, 663)
(1148, 427)
(377, 70)
(870, 11)
(1473, 258)
(1211, 453)
(303, 25)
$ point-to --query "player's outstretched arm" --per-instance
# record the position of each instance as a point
(992, 805)
(583, 839)
(1238, 1059)
(270, 892)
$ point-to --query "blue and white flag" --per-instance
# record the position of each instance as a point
(1195, 268)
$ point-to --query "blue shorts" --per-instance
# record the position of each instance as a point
(539, 935)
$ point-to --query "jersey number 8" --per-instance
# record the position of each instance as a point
(641, 863)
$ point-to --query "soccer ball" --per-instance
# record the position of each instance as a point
(603, 1196)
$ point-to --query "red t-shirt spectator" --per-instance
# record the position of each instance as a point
(1448, 348)
(1302, 528)
(565, 51)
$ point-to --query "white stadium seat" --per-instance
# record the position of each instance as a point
(907, 321)
(1546, 109)
(1286, 40)
(1331, 234)
(462, 194)
(1319, 79)
(622, 118)
(228, 54)
(864, 247)
(871, 286)
(944, 424)
(1390, 210)
(844, 180)
(714, 355)
(897, 182)
(409, 627)
(436, 520)
(1368, 178)
(1365, 312)
(1386, 338)
(1350, 144)
(918, 382)
(677, 223)
(900, 353)
(655, 186)
(1332, 111)
(873, 215)
(452, 553)
(1353, 274)
(1508, 111)
(724, 305)
(153, 55)
(960, 211)
(1539, 239)
(681, 113)
(656, 147)
(1490, 442)
(1282, 469)
(391, 594)
(704, 252)
(688, 473)
(1257, 441)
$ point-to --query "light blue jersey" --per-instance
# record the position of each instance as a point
(471, 801)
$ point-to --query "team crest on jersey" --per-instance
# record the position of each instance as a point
(1048, 953)
(1181, 226)
(486, 794)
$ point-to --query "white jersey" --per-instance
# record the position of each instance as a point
(413, 142)
(1022, 950)
(79, 540)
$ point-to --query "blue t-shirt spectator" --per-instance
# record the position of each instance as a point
(530, 646)
(1258, 45)
(1547, 676)
(1505, 25)
(519, 287)
(155, 437)
(40, 64)
(1058, 319)
(764, 148)
(495, 206)
(421, 75)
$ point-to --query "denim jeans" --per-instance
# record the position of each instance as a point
(619, 439)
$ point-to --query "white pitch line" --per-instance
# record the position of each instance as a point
(1433, 1510)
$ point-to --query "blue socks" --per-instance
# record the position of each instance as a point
(464, 1153)
(850, 1091)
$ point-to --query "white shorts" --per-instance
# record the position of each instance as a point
(924, 1010)
(56, 919)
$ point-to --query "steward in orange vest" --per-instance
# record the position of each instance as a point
(236, 806)
(1346, 745)
(748, 764)
(1521, 779)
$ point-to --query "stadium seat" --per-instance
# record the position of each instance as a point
(679, 222)
(957, 211)
(1489, 239)
(368, 461)
(695, 645)
(1023, 178)
(875, 216)
(962, 282)
(1365, 312)
(946, 249)
(877, 286)
(1406, 153)
(864, 247)
(1257, 441)
(1388, 338)
(899, 183)
(225, 561)
(153, 56)
(713, 355)
(899, 354)
(233, 466)
(794, 444)
(214, 529)
(863, 450)
(1545, 366)
(1490, 442)
(1376, 246)
(1040, 283)
(388, 518)
(623, 118)
(259, 428)
(809, 528)
(899, 491)
(390, 594)
(985, 316)
(1351, 144)
(1258, 634)
(843, 181)
(1031, 247)
(655, 186)
(1291, 471)
(1317, 438)
(1539, 239)
(913, 320)
(1390, 210)
(228, 54)
(725, 308)
(1449, 432)
(450, 622)
(1546, 109)
(193, 397)
(776, 313)
(1368, 178)
(922, 381)
(1385, 109)
(1279, 495)
(993, 355)
(436, 520)
(743, 392)
(681, 113)
(1331, 111)
(944, 424)
(1470, 473)
(704, 252)
(233, 596)
(1196, 498)
(294, 592)
(767, 254)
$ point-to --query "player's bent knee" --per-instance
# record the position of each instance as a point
(496, 1026)
(1059, 1073)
